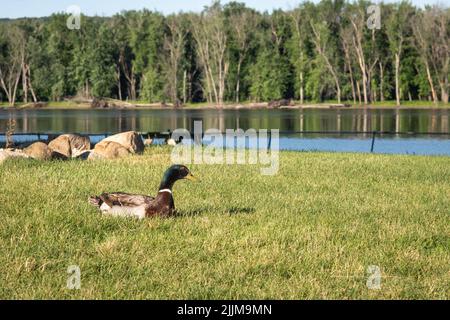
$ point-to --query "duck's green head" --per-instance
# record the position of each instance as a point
(174, 173)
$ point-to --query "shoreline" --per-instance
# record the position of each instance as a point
(202, 106)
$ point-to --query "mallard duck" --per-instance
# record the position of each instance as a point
(141, 206)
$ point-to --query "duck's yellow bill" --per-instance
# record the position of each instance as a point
(191, 177)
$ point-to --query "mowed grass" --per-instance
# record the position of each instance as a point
(309, 232)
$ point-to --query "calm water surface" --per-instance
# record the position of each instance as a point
(100, 121)
(330, 121)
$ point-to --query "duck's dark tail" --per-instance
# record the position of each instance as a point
(95, 201)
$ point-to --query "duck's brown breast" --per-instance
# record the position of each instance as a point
(163, 205)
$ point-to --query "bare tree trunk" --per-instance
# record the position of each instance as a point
(129, 76)
(213, 85)
(296, 16)
(13, 100)
(10, 81)
(338, 92)
(420, 27)
(301, 88)
(175, 100)
(353, 87)
(184, 86)
(364, 80)
(203, 54)
(381, 81)
(24, 83)
(362, 66)
(30, 86)
(444, 91)
(87, 95)
(174, 44)
(119, 85)
(133, 87)
(430, 82)
(211, 39)
(328, 64)
(371, 93)
(348, 64)
(397, 78)
(243, 25)
(5, 88)
(238, 81)
(358, 90)
(358, 26)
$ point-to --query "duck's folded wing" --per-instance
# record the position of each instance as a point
(125, 199)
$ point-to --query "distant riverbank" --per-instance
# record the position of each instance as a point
(245, 105)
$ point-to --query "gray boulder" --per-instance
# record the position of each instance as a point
(130, 140)
(70, 145)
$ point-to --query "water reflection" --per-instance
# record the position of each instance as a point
(354, 120)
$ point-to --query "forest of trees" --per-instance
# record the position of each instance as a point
(232, 53)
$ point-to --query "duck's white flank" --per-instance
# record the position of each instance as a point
(104, 207)
(122, 211)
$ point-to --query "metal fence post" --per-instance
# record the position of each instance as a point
(373, 141)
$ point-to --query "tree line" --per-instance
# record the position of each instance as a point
(232, 53)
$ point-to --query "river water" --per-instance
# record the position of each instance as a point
(308, 129)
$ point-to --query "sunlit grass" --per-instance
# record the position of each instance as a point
(309, 232)
(393, 104)
(411, 104)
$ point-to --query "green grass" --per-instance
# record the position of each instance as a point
(410, 104)
(52, 105)
(309, 232)
(390, 104)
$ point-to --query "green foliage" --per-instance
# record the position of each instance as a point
(317, 82)
(152, 86)
(267, 56)
(145, 35)
(269, 77)
(103, 70)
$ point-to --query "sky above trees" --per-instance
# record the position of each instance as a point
(32, 8)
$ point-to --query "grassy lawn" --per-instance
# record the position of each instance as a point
(309, 232)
